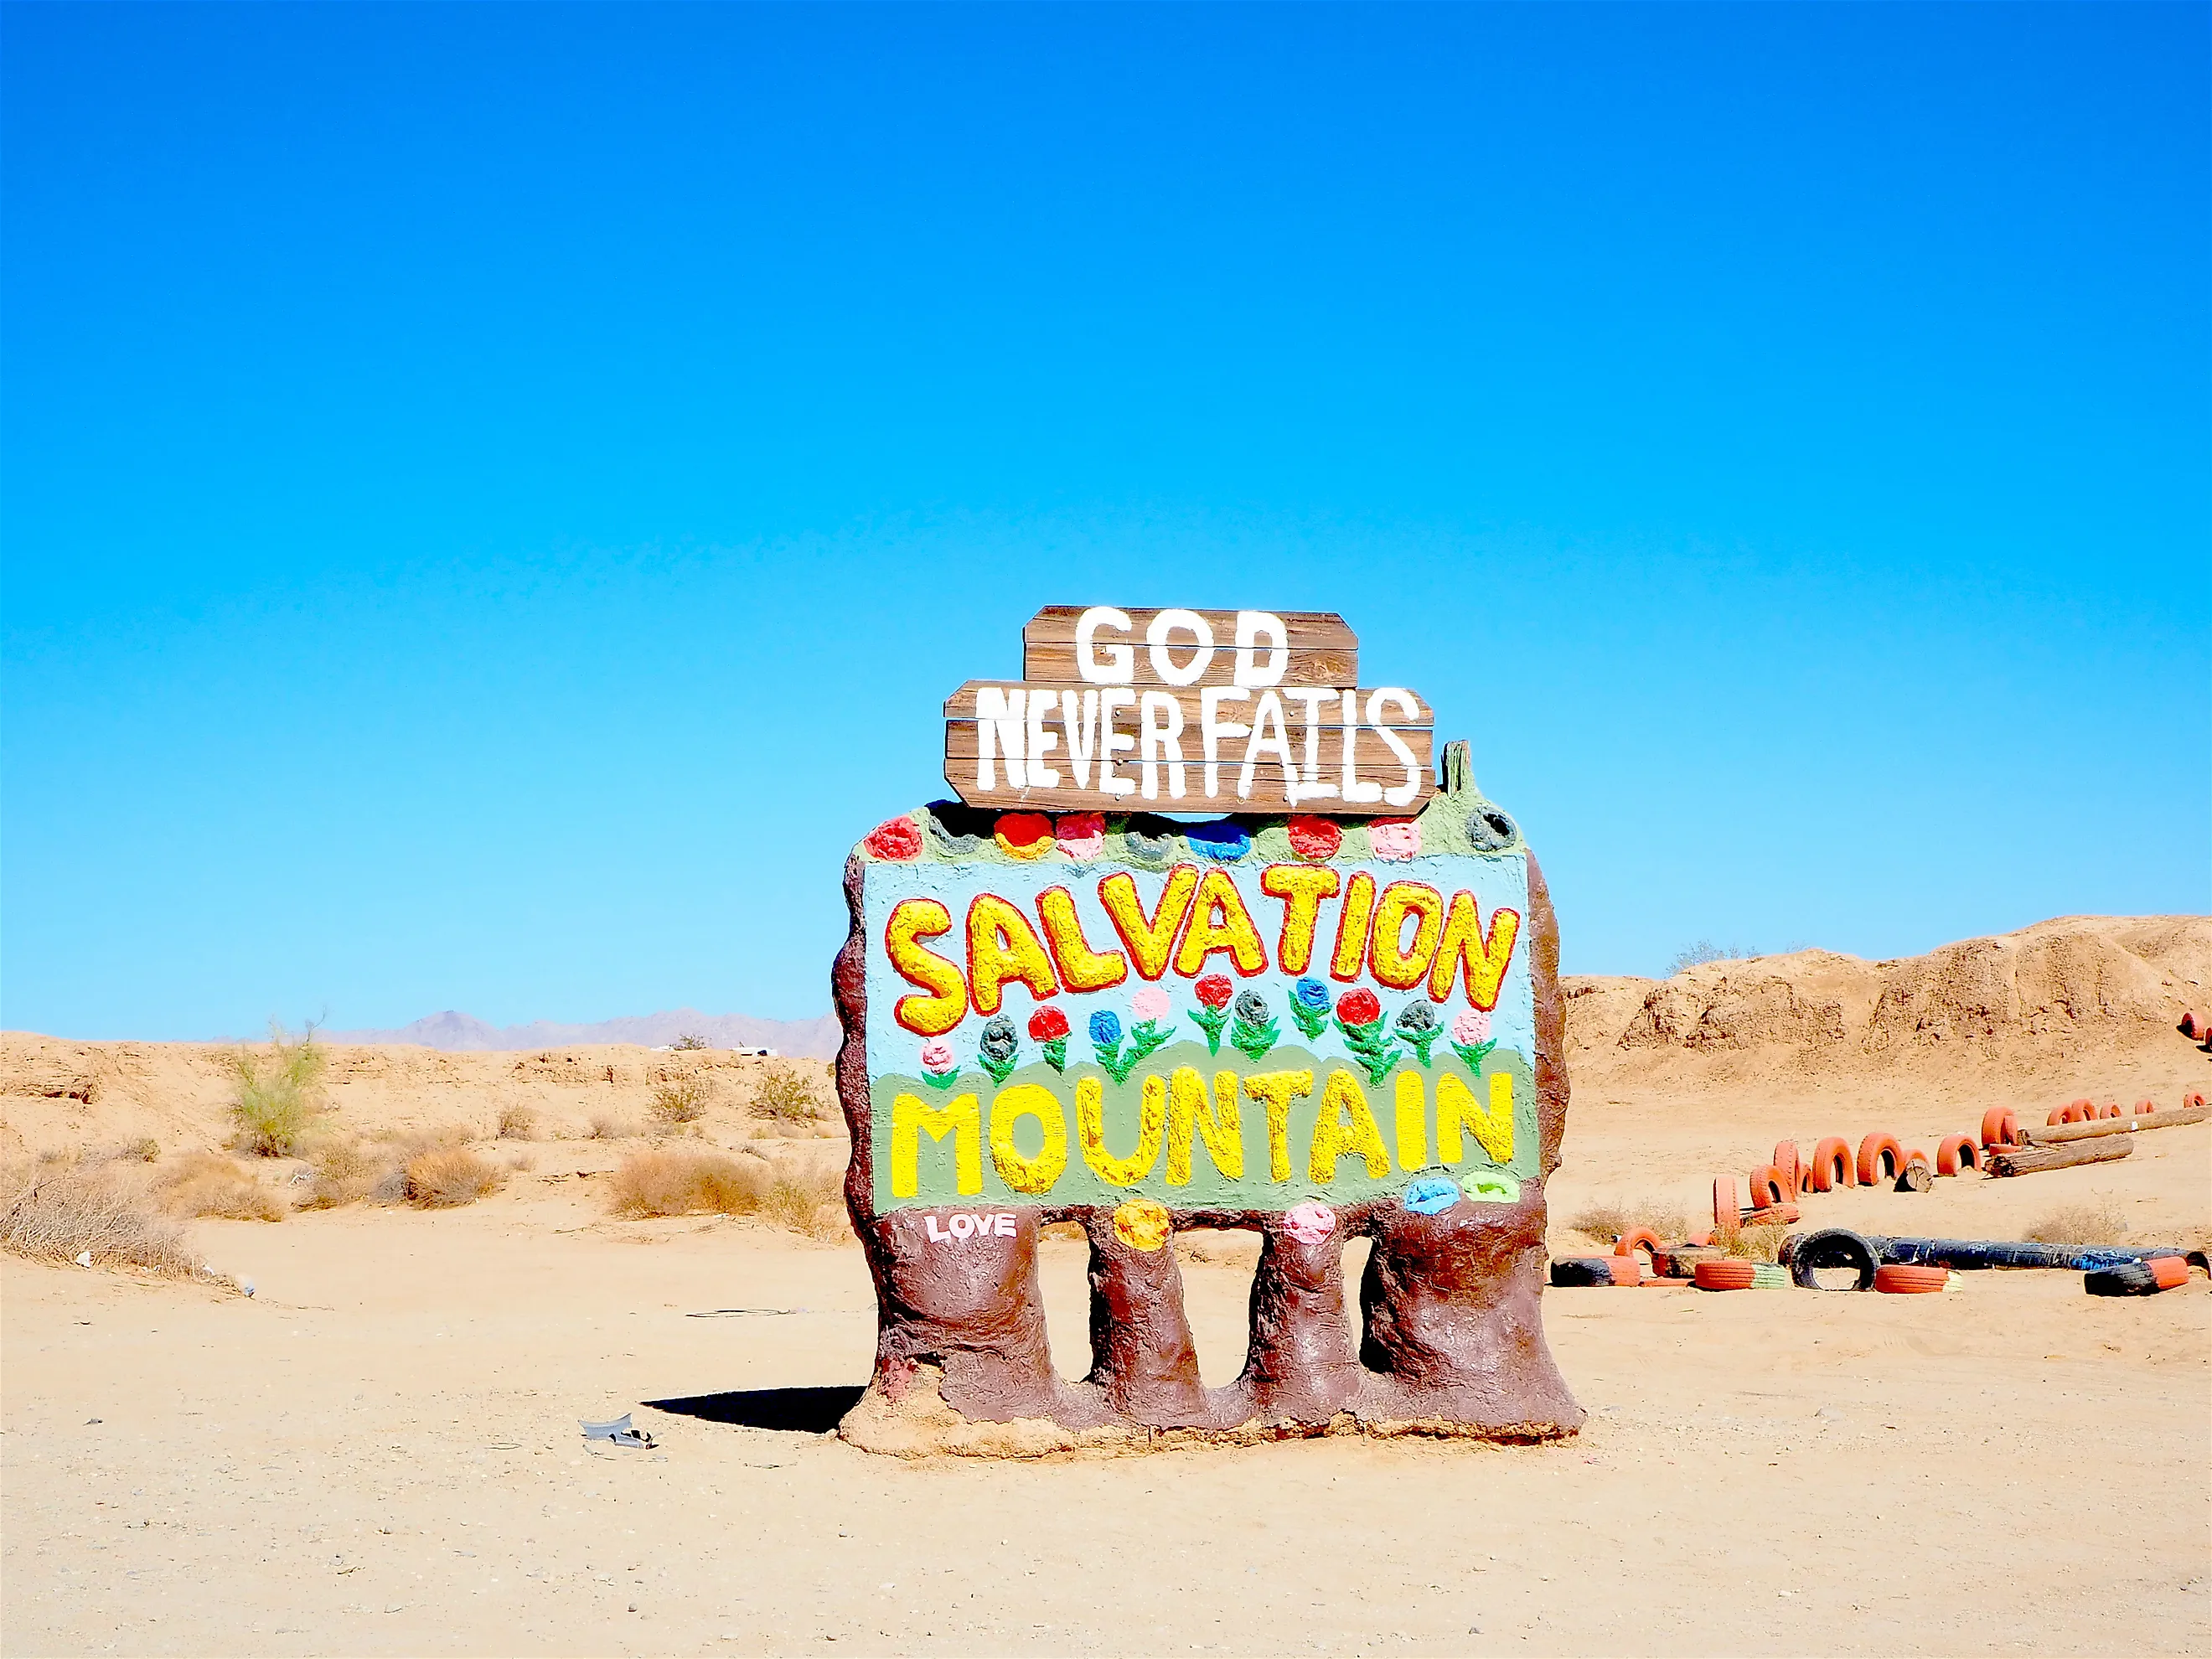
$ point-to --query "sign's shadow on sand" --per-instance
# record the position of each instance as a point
(793, 1411)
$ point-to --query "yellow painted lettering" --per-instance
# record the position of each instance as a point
(1081, 968)
(1090, 1130)
(1464, 945)
(1351, 928)
(1397, 964)
(1219, 922)
(1278, 1089)
(1150, 939)
(1493, 1126)
(1345, 1125)
(1032, 1176)
(961, 1117)
(1002, 946)
(1412, 1121)
(911, 922)
(1217, 1124)
(1302, 887)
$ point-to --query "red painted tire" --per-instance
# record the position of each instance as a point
(1831, 1166)
(1791, 1163)
(1723, 1275)
(1643, 1238)
(2169, 1272)
(2192, 1026)
(1881, 1160)
(2000, 1126)
(1626, 1269)
(1769, 1187)
(1899, 1280)
(1957, 1153)
(1726, 1215)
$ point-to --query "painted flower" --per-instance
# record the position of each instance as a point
(1214, 990)
(1047, 1024)
(1417, 1027)
(1150, 1004)
(1358, 1007)
(1081, 835)
(1024, 834)
(1432, 1195)
(1254, 1031)
(1309, 1006)
(1224, 842)
(1472, 1026)
(1359, 1017)
(1395, 838)
(1105, 1028)
(999, 1047)
(941, 1067)
(895, 838)
(1309, 1222)
(1315, 839)
(1252, 1008)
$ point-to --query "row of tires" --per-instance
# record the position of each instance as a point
(1807, 1256)
(1882, 1157)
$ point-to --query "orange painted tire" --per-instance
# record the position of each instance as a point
(2146, 1108)
(1723, 1275)
(1791, 1163)
(1643, 1238)
(2077, 1111)
(1831, 1166)
(2192, 1026)
(1769, 1187)
(1898, 1280)
(2110, 1108)
(1957, 1153)
(2192, 1100)
(2000, 1126)
(2059, 1115)
(1701, 1238)
(2169, 1272)
(1881, 1159)
(1626, 1269)
(1726, 1214)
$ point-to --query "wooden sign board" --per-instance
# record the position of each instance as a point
(1191, 711)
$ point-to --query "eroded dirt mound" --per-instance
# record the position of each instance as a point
(2023, 1005)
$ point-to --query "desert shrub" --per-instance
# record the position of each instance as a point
(208, 1183)
(1760, 1243)
(277, 1096)
(518, 1123)
(686, 1182)
(1610, 1219)
(1704, 951)
(447, 1177)
(56, 1211)
(346, 1171)
(605, 1125)
(144, 1150)
(689, 1040)
(788, 1095)
(808, 1200)
(678, 1101)
(2100, 1222)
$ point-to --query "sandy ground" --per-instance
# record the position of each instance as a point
(378, 1453)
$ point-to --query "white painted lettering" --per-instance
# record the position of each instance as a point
(1252, 626)
(1116, 665)
(1156, 636)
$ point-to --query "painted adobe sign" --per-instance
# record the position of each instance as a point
(1318, 1029)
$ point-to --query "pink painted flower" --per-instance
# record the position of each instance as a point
(938, 1057)
(1395, 838)
(1473, 1026)
(1082, 835)
(1150, 1003)
(1309, 1223)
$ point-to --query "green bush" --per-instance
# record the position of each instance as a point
(277, 1096)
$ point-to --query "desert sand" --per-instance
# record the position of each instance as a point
(378, 1452)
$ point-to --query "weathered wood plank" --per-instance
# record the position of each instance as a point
(1398, 707)
(1320, 646)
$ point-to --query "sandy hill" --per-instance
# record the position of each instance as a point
(459, 1033)
(2079, 1004)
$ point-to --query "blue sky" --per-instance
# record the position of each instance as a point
(492, 498)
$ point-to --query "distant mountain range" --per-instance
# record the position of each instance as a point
(804, 1039)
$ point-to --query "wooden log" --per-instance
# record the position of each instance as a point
(2033, 1160)
(2054, 1135)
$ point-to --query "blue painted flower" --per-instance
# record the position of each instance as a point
(1222, 842)
(1105, 1028)
(1311, 993)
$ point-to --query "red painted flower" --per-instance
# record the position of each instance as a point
(1358, 1008)
(1315, 838)
(1214, 990)
(1024, 834)
(895, 838)
(1047, 1024)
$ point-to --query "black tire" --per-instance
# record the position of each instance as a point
(1831, 1247)
(2128, 1279)
(1581, 1271)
